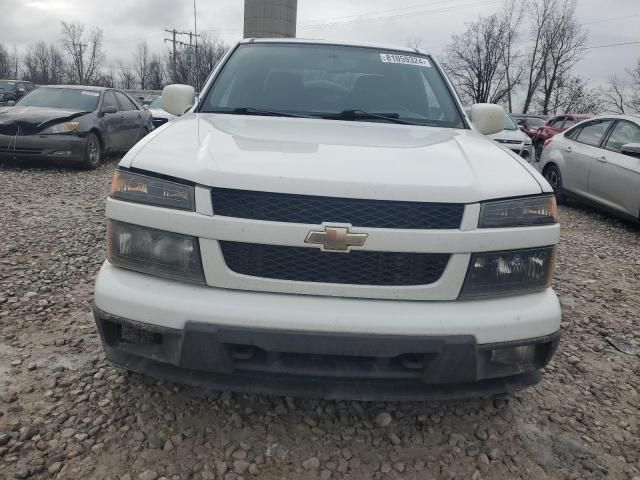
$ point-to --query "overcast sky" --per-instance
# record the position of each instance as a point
(126, 22)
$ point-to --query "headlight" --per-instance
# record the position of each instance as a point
(509, 273)
(66, 127)
(155, 252)
(519, 212)
(134, 187)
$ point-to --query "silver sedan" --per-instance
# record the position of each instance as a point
(598, 161)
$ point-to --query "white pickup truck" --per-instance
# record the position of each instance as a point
(327, 221)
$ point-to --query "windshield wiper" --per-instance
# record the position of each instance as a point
(258, 111)
(361, 114)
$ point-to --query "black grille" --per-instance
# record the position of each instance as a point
(358, 267)
(157, 122)
(21, 128)
(282, 207)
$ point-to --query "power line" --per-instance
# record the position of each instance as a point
(626, 17)
(399, 15)
(367, 14)
(611, 45)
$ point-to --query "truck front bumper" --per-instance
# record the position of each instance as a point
(324, 346)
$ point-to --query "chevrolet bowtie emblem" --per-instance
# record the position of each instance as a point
(336, 239)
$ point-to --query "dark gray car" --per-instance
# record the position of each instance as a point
(72, 124)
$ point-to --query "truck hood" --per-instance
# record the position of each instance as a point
(334, 158)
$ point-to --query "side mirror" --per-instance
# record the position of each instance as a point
(176, 99)
(21, 90)
(631, 149)
(146, 107)
(521, 122)
(487, 118)
(109, 109)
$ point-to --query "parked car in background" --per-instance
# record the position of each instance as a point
(14, 90)
(160, 116)
(552, 127)
(149, 99)
(598, 161)
(355, 237)
(529, 124)
(72, 124)
(514, 139)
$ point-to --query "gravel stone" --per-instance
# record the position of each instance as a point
(148, 475)
(383, 419)
(77, 416)
(240, 466)
(312, 463)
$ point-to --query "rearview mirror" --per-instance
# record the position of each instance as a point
(631, 149)
(176, 99)
(487, 118)
(109, 109)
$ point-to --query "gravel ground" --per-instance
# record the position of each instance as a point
(66, 413)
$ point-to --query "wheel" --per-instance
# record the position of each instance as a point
(538, 146)
(554, 177)
(92, 152)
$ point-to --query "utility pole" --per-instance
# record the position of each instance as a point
(173, 56)
(80, 63)
(175, 42)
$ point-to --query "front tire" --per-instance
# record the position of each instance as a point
(92, 152)
(552, 174)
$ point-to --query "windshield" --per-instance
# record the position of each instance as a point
(535, 122)
(509, 124)
(157, 103)
(68, 99)
(7, 85)
(320, 80)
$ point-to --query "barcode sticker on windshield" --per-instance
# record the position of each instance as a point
(93, 94)
(404, 59)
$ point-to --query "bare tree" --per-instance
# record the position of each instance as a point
(540, 14)
(105, 78)
(56, 65)
(14, 62)
(474, 61)
(634, 101)
(43, 64)
(6, 63)
(209, 53)
(141, 59)
(415, 42)
(615, 95)
(564, 42)
(194, 65)
(511, 19)
(156, 78)
(126, 77)
(573, 94)
(84, 51)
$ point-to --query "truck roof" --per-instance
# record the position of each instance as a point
(333, 42)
